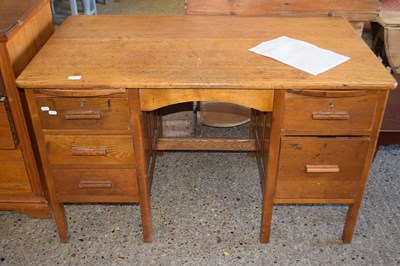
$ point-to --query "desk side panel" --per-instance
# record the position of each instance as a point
(24, 45)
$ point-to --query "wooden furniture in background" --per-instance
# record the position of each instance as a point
(314, 136)
(25, 25)
(352, 10)
(389, 33)
(356, 11)
(386, 44)
(390, 129)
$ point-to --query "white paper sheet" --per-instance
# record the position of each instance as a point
(299, 54)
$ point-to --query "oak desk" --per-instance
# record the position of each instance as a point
(94, 90)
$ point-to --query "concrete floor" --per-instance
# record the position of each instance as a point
(206, 211)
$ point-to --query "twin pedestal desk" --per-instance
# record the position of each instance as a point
(94, 90)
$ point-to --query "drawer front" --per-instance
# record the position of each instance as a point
(8, 136)
(96, 149)
(303, 112)
(94, 113)
(95, 182)
(320, 168)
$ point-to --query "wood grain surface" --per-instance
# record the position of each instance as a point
(196, 52)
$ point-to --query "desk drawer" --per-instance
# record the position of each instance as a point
(327, 111)
(92, 182)
(96, 149)
(320, 167)
(108, 113)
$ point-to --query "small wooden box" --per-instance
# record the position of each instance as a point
(178, 120)
(8, 136)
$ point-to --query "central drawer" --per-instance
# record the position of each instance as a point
(89, 149)
(320, 168)
(100, 113)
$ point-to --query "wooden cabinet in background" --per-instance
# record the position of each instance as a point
(357, 12)
(25, 26)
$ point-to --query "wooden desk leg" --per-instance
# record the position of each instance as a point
(354, 208)
(159, 127)
(137, 123)
(272, 167)
(251, 130)
(266, 219)
(269, 191)
(61, 220)
(145, 213)
(350, 223)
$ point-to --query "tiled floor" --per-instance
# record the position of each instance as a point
(206, 211)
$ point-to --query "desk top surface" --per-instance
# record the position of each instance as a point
(127, 51)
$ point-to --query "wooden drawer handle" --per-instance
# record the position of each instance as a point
(322, 168)
(95, 184)
(339, 115)
(83, 115)
(79, 151)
